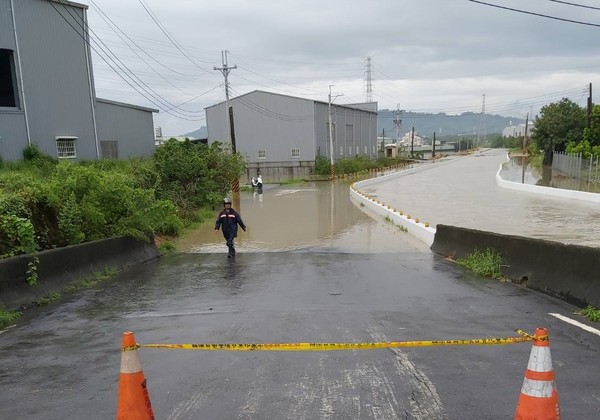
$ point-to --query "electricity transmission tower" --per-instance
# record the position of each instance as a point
(368, 80)
(482, 123)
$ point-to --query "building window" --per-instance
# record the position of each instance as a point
(349, 150)
(262, 154)
(295, 153)
(65, 147)
(341, 150)
(109, 149)
(366, 150)
(8, 80)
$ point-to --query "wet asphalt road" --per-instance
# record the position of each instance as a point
(62, 362)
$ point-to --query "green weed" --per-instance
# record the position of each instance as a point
(88, 282)
(8, 317)
(48, 298)
(591, 313)
(400, 227)
(167, 248)
(483, 263)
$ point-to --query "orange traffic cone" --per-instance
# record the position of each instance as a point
(134, 400)
(538, 399)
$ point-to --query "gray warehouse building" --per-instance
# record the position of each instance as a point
(281, 135)
(47, 93)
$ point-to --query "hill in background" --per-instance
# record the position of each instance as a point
(443, 124)
(426, 124)
(200, 133)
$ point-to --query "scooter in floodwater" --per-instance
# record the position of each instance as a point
(257, 183)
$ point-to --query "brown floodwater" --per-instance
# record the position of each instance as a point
(463, 192)
(314, 216)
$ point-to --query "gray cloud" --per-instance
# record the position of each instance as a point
(427, 54)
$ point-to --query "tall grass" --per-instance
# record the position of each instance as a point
(483, 263)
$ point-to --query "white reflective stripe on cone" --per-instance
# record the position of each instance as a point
(540, 359)
(540, 389)
(130, 362)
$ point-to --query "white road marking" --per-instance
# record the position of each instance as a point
(576, 323)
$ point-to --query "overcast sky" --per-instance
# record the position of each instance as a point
(427, 55)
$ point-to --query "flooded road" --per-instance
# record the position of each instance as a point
(463, 192)
(518, 169)
(315, 216)
(312, 267)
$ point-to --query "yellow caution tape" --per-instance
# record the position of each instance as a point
(339, 346)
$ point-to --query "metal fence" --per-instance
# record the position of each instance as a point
(581, 173)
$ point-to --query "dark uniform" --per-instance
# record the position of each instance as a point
(228, 220)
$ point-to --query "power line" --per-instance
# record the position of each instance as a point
(535, 14)
(109, 21)
(575, 4)
(155, 100)
(116, 29)
(169, 36)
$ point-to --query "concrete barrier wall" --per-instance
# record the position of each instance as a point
(59, 267)
(414, 227)
(569, 272)
(418, 229)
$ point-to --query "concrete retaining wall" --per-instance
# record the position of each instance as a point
(570, 272)
(59, 267)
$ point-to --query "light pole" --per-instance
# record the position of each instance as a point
(331, 161)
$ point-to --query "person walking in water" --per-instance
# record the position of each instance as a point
(228, 220)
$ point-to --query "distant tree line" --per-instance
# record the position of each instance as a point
(563, 127)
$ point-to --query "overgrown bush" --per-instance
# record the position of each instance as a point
(195, 175)
(94, 204)
(322, 165)
(46, 204)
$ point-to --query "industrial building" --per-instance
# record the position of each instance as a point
(47, 93)
(281, 135)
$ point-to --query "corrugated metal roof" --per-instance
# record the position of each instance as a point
(141, 108)
(71, 3)
(349, 106)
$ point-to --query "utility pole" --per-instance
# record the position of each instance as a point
(524, 149)
(433, 147)
(525, 136)
(589, 108)
(225, 70)
(412, 142)
(331, 161)
(398, 121)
